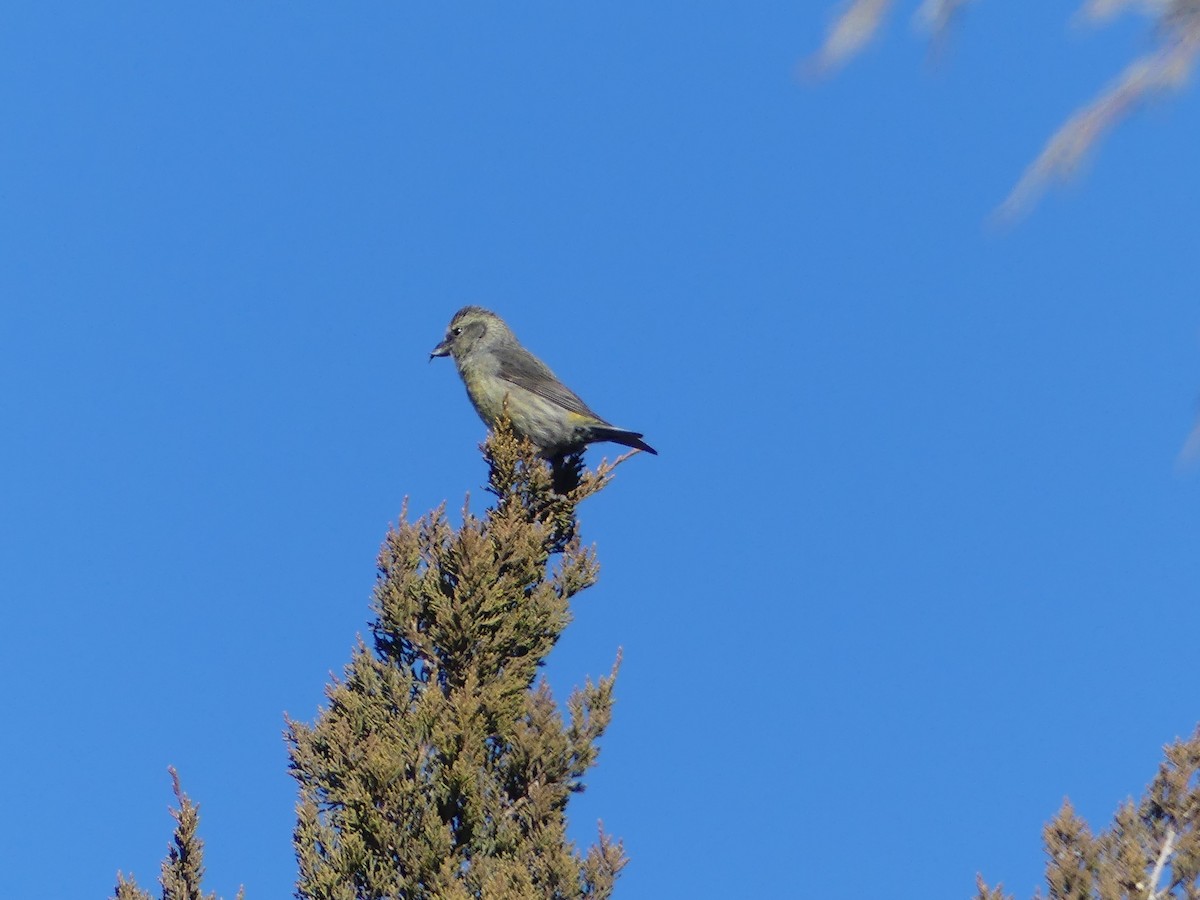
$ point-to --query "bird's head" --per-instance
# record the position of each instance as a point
(471, 327)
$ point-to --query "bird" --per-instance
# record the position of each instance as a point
(495, 367)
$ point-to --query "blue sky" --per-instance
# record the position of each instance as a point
(913, 564)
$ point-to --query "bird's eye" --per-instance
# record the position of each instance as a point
(456, 331)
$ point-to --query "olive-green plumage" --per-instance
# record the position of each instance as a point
(494, 366)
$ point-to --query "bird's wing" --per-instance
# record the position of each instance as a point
(523, 369)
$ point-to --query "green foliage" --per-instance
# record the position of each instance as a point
(127, 889)
(183, 869)
(1151, 850)
(439, 769)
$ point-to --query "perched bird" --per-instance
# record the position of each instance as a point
(494, 366)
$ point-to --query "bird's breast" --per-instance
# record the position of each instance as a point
(487, 393)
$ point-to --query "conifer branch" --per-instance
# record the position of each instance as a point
(439, 768)
(1120, 861)
(183, 869)
(1176, 27)
(127, 889)
(1165, 854)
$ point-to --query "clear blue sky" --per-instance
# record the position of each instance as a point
(913, 564)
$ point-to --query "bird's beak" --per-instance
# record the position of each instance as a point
(442, 349)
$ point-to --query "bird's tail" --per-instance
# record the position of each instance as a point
(621, 436)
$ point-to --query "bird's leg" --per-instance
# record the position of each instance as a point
(566, 472)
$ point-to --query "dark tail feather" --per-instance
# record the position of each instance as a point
(621, 436)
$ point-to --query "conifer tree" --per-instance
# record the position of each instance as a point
(1151, 851)
(439, 769)
(183, 869)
